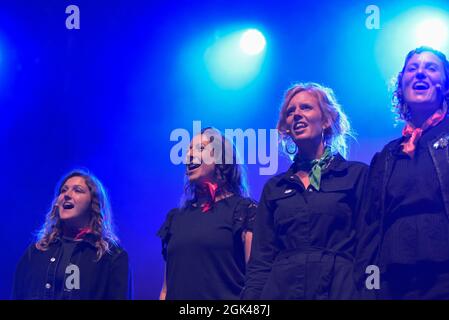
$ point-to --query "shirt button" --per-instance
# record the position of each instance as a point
(53, 259)
(310, 190)
(48, 286)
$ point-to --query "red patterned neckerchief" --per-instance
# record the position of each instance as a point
(212, 192)
(412, 134)
(82, 233)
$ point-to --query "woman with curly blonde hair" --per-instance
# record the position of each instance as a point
(76, 255)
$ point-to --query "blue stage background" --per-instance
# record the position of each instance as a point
(107, 96)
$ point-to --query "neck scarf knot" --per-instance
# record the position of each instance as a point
(412, 134)
(315, 167)
(212, 192)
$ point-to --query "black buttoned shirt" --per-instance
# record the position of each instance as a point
(304, 239)
(38, 274)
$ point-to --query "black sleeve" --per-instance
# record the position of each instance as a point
(368, 226)
(245, 216)
(120, 284)
(164, 232)
(19, 288)
(263, 251)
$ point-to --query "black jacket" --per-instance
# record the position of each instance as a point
(109, 278)
(304, 240)
(374, 204)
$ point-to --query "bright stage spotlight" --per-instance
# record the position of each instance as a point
(432, 32)
(235, 59)
(419, 26)
(252, 42)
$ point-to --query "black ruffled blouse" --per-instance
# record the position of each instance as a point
(204, 251)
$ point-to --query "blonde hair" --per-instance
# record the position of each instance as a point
(339, 130)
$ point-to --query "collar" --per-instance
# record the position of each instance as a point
(431, 135)
(226, 201)
(337, 164)
(88, 238)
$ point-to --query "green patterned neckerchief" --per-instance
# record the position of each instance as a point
(315, 167)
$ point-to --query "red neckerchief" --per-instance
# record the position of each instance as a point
(412, 134)
(212, 190)
(82, 233)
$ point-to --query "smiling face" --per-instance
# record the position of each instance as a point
(200, 160)
(423, 82)
(74, 201)
(304, 118)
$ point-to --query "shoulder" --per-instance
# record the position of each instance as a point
(164, 229)
(379, 157)
(276, 181)
(245, 202)
(342, 167)
(117, 251)
(32, 248)
(30, 251)
(391, 145)
(356, 171)
(173, 213)
(242, 199)
(244, 213)
(357, 165)
(33, 257)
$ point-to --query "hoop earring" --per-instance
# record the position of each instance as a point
(445, 104)
(288, 150)
(323, 136)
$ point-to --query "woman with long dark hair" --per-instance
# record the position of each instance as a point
(76, 254)
(305, 232)
(206, 242)
(406, 211)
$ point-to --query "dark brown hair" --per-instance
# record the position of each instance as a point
(399, 105)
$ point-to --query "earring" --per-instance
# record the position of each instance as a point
(288, 145)
(323, 136)
(445, 104)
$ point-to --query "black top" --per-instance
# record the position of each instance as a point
(204, 251)
(389, 199)
(62, 291)
(304, 240)
(39, 273)
(416, 225)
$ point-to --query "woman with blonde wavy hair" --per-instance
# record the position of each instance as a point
(305, 232)
(76, 254)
